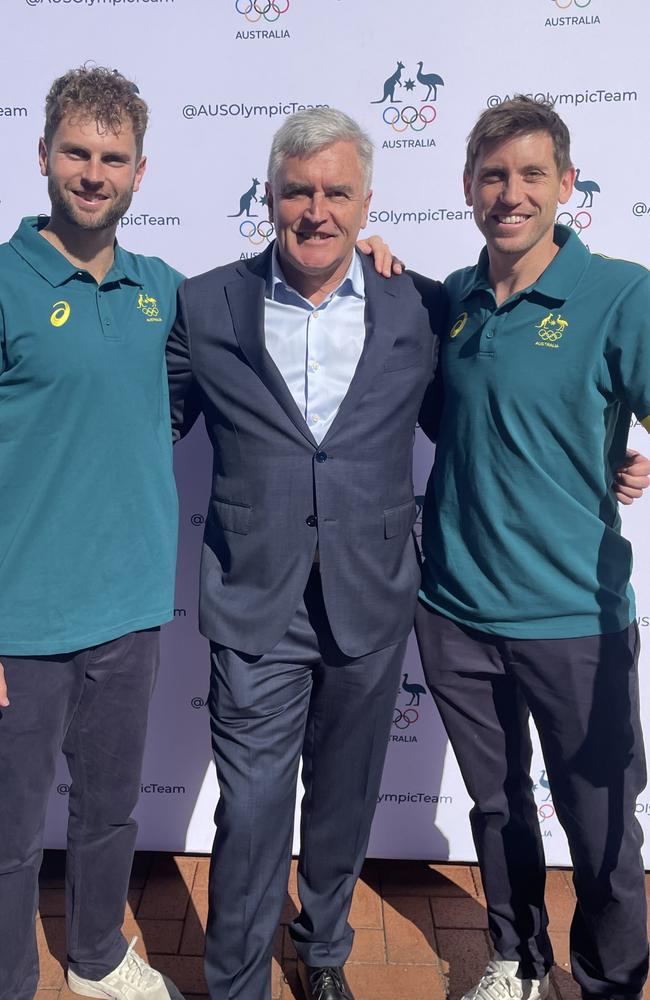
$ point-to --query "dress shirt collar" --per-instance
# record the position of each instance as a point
(279, 290)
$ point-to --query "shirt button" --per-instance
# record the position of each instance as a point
(314, 365)
(321, 456)
(314, 418)
(489, 334)
(315, 314)
(312, 520)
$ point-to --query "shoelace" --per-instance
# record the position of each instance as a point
(136, 971)
(322, 980)
(497, 985)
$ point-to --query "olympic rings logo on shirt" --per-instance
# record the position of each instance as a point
(409, 117)
(550, 335)
(257, 234)
(255, 10)
(581, 220)
(402, 720)
(564, 4)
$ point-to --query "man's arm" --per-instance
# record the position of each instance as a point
(184, 401)
(632, 478)
(383, 258)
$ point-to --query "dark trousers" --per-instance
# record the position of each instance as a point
(93, 705)
(305, 698)
(583, 697)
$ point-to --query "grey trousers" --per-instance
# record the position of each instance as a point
(583, 696)
(303, 698)
(93, 705)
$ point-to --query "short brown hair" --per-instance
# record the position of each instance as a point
(519, 116)
(97, 93)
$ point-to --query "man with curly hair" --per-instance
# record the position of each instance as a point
(87, 536)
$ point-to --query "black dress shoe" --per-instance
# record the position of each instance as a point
(326, 982)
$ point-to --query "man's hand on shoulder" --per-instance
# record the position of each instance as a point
(385, 262)
(632, 478)
(4, 695)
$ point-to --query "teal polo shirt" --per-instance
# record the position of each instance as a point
(89, 509)
(521, 533)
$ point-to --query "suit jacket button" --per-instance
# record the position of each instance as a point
(312, 521)
(321, 456)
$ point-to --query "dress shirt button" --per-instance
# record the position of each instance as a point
(312, 520)
(315, 314)
(314, 365)
(321, 456)
(314, 418)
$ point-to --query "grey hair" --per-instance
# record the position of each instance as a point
(307, 132)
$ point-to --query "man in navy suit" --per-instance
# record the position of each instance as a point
(309, 369)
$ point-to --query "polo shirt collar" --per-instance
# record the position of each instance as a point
(352, 284)
(52, 265)
(556, 282)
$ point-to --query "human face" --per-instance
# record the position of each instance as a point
(318, 204)
(91, 174)
(514, 191)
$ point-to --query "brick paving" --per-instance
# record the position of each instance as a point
(420, 929)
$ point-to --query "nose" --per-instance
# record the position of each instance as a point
(92, 175)
(315, 211)
(511, 191)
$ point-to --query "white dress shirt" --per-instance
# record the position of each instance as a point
(316, 348)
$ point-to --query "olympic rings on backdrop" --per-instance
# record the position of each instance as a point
(564, 4)
(581, 220)
(402, 720)
(255, 10)
(256, 234)
(409, 116)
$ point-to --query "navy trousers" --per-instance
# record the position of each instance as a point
(583, 696)
(305, 698)
(93, 705)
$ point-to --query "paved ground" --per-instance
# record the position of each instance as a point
(420, 929)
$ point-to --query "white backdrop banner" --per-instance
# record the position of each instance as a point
(220, 76)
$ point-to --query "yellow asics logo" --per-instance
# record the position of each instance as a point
(60, 313)
(148, 305)
(459, 325)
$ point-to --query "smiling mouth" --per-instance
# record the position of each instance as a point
(91, 198)
(510, 220)
(313, 237)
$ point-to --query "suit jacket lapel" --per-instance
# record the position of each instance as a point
(382, 319)
(246, 303)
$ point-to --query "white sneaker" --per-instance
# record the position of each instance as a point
(501, 982)
(132, 980)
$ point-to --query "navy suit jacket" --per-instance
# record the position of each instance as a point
(276, 493)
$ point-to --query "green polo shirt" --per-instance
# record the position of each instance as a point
(521, 533)
(89, 508)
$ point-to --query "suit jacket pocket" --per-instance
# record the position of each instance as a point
(233, 516)
(399, 520)
(403, 359)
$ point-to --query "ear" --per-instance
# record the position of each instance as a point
(366, 206)
(268, 190)
(467, 188)
(139, 172)
(42, 156)
(566, 185)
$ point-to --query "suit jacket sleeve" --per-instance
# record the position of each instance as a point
(184, 398)
(434, 299)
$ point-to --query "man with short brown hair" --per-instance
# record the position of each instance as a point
(526, 605)
(87, 536)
